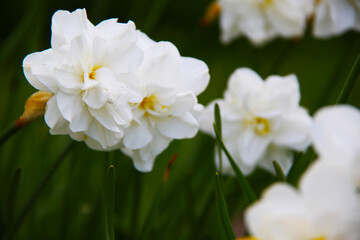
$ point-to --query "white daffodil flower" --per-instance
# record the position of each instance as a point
(263, 20)
(336, 137)
(326, 207)
(170, 84)
(334, 17)
(90, 71)
(261, 120)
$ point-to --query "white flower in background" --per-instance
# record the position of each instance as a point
(334, 17)
(170, 84)
(336, 137)
(326, 207)
(263, 20)
(89, 69)
(261, 121)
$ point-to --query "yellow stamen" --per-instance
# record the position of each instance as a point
(261, 126)
(92, 74)
(148, 103)
(319, 238)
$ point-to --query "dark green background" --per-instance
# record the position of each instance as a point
(71, 204)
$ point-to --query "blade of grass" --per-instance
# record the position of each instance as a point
(10, 205)
(350, 82)
(219, 125)
(248, 192)
(136, 202)
(41, 186)
(223, 213)
(279, 172)
(109, 200)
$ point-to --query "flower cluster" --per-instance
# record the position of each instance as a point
(261, 121)
(113, 87)
(327, 203)
(263, 20)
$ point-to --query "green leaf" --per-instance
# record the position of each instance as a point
(109, 199)
(301, 163)
(7, 133)
(219, 126)
(248, 192)
(279, 172)
(350, 82)
(10, 204)
(223, 213)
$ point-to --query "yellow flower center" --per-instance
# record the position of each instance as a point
(265, 3)
(261, 126)
(92, 73)
(247, 238)
(148, 103)
(319, 238)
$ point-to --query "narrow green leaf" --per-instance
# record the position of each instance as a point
(301, 163)
(350, 82)
(109, 199)
(279, 172)
(219, 126)
(223, 213)
(248, 192)
(10, 205)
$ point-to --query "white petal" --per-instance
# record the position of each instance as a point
(244, 81)
(333, 18)
(294, 130)
(195, 76)
(183, 103)
(336, 132)
(184, 126)
(95, 97)
(69, 105)
(68, 79)
(65, 26)
(106, 138)
(138, 135)
(54, 119)
(251, 147)
(37, 72)
(104, 118)
(140, 164)
(283, 156)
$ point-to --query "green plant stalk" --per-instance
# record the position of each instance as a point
(10, 205)
(279, 172)
(7, 133)
(136, 202)
(248, 192)
(41, 186)
(219, 125)
(223, 213)
(350, 82)
(109, 200)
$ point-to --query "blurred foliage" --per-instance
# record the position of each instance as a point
(71, 205)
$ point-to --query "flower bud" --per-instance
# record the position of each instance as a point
(34, 108)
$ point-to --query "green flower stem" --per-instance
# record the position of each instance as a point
(8, 132)
(223, 213)
(136, 202)
(350, 82)
(11, 205)
(109, 200)
(41, 186)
